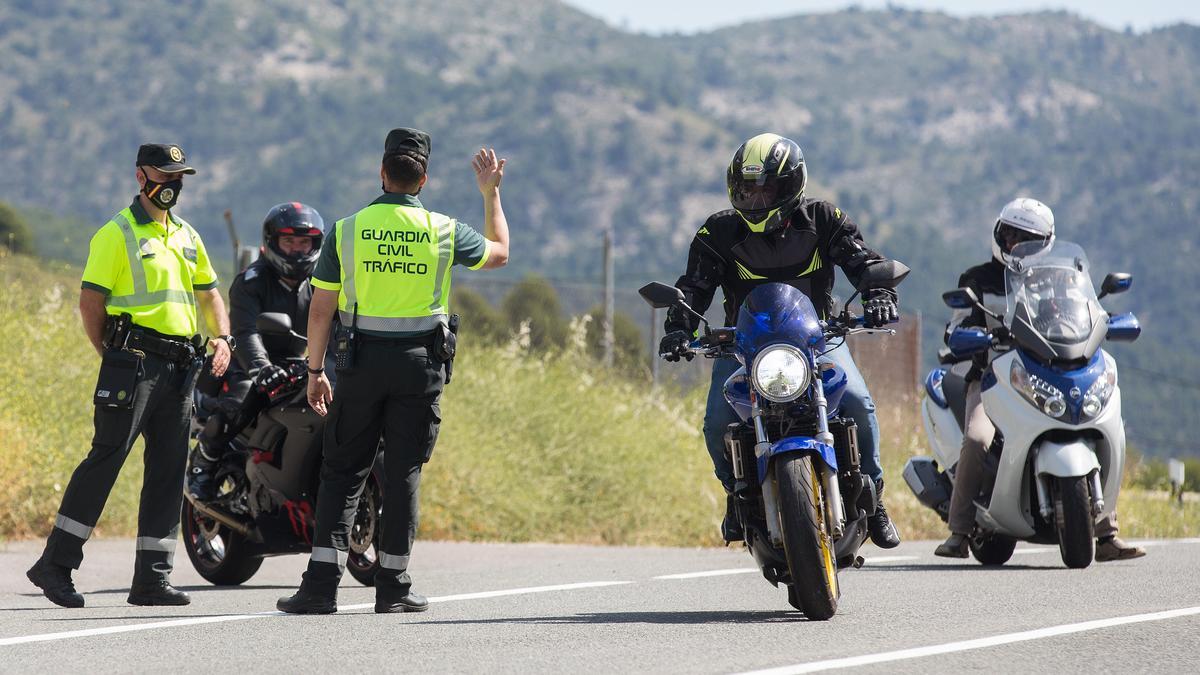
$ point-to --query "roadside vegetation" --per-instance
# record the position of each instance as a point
(537, 444)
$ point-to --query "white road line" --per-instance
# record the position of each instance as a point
(130, 628)
(709, 573)
(890, 558)
(980, 643)
(1034, 550)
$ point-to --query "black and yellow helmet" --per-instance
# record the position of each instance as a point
(766, 181)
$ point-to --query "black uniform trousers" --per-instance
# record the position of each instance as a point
(161, 413)
(392, 389)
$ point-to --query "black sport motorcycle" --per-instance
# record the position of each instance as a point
(267, 483)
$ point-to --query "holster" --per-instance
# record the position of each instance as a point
(445, 344)
(116, 330)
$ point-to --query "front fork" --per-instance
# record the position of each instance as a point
(834, 512)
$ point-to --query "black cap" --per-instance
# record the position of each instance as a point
(412, 142)
(166, 157)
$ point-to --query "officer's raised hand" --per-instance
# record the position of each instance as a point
(489, 171)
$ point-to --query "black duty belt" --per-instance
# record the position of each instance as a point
(176, 351)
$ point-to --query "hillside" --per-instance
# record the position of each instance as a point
(918, 124)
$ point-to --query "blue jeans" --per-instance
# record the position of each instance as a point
(856, 404)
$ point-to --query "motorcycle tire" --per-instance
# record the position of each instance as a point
(806, 541)
(993, 550)
(363, 559)
(222, 560)
(1076, 528)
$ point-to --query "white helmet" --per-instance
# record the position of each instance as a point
(1021, 220)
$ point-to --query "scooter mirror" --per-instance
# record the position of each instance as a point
(660, 296)
(969, 341)
(960, 298)
(1116, 282)
(274, 323)
(1123, 328)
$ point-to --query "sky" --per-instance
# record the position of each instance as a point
(689, 16)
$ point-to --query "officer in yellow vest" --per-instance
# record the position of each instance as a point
(386, 271)
(147, 270)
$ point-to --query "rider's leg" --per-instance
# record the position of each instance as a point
(1109, 546)
(968, 474)
(858, 405)
(718, 415)
(214, 439)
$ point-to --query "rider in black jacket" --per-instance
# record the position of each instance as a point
(276, 282)
(774, 233)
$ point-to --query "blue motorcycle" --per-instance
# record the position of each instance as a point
(801, 498)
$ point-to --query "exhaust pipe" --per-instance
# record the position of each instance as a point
(226, 519)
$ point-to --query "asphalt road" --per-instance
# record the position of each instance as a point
(548, 608)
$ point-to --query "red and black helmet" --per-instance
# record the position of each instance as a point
(294, 219)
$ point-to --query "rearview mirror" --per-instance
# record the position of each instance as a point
(1123, 328)
(1116, 282)
(960, 298)
(883, 274)
(968, 341)
(660, 296)
(274, 323)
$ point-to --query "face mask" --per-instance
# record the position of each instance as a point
(163, 195)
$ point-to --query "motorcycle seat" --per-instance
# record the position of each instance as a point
(954, 387)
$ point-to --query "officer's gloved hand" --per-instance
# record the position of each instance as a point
(674, 345)
(880, 309)
(270, 379)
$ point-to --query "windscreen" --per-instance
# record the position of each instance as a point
(1054, 286)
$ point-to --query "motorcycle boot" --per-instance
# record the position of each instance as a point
(202, 469)
(956, 546)
(160, 593)
(731, 526)
(883, 531)
(306, 601)
(55, 582)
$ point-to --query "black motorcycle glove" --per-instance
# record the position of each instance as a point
(674, 345)
(880, 310)
(271, 378)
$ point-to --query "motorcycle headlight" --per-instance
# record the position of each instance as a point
(1043, 395)
(1101, 390)
(781, 373)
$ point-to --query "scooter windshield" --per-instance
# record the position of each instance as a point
(1049, 291)
(777, 313)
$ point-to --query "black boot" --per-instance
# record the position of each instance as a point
(201, 479)
(160, 593)
(55, 582)
(883, 532)
(308, 602)
(731, 527)
(391, 603)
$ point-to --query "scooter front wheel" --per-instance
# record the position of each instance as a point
(1076, 529)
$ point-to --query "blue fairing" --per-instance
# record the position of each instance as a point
(834, 382)
(1123, 328)
(737, 391)
(797, 444)
(1072, 383)
(933, 387)
(777, 313)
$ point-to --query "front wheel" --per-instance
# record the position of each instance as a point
(218, 553)
(1076, 528)
(806, 540)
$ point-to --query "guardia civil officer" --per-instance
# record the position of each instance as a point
(147, 270)
(386, 270)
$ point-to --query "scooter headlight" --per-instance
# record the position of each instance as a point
(1043, 395)
(781, 373)
(1101, 390)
